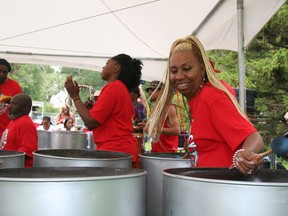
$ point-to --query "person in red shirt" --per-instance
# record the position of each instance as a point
(168, 140)
(20, 134)
(8, 88)
(221, 135)
(111, 115)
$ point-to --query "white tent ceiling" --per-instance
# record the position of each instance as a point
(85, 33)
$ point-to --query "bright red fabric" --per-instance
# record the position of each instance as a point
(166, 143)
(113, 110)
(21, 135)
(217, 127)
(8, 88)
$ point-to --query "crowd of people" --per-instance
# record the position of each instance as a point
(220, 134)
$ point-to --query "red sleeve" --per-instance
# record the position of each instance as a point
(232, 126)
(104, 105)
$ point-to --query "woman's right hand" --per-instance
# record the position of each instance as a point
(246, 161)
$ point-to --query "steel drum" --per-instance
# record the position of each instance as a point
(218, 192)
(72, 191)
(155, 163)
(62, 140)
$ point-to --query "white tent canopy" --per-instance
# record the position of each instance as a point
(85, 33)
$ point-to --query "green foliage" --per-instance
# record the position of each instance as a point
(41, 82)
(84, 77)
(49, 108)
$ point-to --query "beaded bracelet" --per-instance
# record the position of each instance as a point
(234, 156)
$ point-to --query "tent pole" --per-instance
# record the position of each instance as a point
(241, 63)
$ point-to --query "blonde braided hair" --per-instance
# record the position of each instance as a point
(160, 110)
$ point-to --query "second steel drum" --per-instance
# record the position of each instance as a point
(12, 159)
(81, 157)
(62, 140)
(155, 163)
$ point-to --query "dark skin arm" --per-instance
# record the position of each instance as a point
(73, 90)
(247, 160)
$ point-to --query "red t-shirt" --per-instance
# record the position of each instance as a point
(232, 91)
(113, 110)
(8, 88)
(217, 128)
(21, 135)
(166, 143)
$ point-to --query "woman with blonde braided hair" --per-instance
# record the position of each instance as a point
(220, 133)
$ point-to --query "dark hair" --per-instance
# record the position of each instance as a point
(6, 63)
(130, 71)
(47, 118)
(135, 90)
(66, 120)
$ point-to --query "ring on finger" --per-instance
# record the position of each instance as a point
(250, 171)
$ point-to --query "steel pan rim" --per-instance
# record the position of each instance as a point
(12, 154)
(35, 153)
(225, 182)
(62, 132)
(140, 173)
(162, 158)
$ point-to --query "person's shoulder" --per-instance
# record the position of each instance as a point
(24, 118)
(12, 81)
(138, 104)
(73, 129)
(212, 92)
(26, 122)
(172, 109)
(115, 84)
(14, 86)
(53, 128)
(113, 89)
(40, 127)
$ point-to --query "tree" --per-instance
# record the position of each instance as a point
(84, 77)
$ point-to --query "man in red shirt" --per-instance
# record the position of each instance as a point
(8, 88)
(20, 134)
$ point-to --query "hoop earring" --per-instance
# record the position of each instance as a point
(203, 82)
